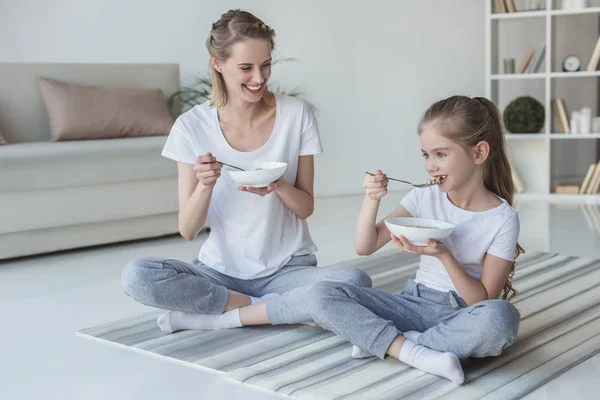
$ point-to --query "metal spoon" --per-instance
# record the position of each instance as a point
(422, 185)
(229, 165)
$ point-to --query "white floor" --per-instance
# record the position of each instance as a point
(44, 300)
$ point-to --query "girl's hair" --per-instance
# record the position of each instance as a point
(467, 122)
(234, 26)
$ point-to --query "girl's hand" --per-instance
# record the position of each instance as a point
(433, 248)
(376, 186)
(207, 170)
(264, 190)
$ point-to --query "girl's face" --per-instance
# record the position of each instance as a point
(446, 160)
(247, 71)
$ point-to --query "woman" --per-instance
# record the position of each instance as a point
(259, 247)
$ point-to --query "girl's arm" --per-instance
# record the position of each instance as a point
(495, 270)
(370, 236)
(299, 197)
(493, 277)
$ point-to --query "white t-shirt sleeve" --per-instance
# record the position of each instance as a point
(505, 242)
(310, 141)
(179, 146)
(412, 201)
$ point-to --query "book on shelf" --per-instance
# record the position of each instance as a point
(595, 182)
(517, 181)
(567, 188)
(556, 112)
(595, 57)
(536, 59)
(526, 60)
(499, 7)
(587, 179)
(563, 115)
(510, 6)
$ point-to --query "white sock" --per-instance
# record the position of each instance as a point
(412, 336)
(173, 321)
(446, 365)
(263, 298)
(357, 352)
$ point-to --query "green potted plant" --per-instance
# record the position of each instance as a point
(524, 115)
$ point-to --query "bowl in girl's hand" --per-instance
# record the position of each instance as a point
(418, 230)
(259, 174)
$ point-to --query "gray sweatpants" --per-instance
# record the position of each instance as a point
(193, 287)
(372, 318)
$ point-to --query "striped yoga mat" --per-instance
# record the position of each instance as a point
(559, 302)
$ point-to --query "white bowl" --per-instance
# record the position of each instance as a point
(411, 229)
(259, 174)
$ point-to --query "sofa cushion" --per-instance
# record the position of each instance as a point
(51, 208)
(45, 165)
(90, 112)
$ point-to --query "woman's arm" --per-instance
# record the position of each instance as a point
(299, 197)
(195, 184)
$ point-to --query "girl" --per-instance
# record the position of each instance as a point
(259, 246)
(451, 309)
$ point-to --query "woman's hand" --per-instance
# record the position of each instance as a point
(433, 248)
(376, 186)
(207, 170)
(279, 183)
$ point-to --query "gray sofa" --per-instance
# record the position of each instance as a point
(64, 195)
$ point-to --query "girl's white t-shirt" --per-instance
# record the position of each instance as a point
(492, 231)
(251, 236)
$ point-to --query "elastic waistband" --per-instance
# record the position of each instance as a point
(420, 290)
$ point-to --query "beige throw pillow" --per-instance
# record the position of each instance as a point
(90, 112)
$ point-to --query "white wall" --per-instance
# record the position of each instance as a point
(371, 68)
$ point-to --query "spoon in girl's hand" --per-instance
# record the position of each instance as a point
(413, 184)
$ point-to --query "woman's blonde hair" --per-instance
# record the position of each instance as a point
(468, 121)
(234, 26)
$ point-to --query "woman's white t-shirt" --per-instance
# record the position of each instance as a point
(492, 231)
(251, 236)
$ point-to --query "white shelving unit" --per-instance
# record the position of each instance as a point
(508, 35)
